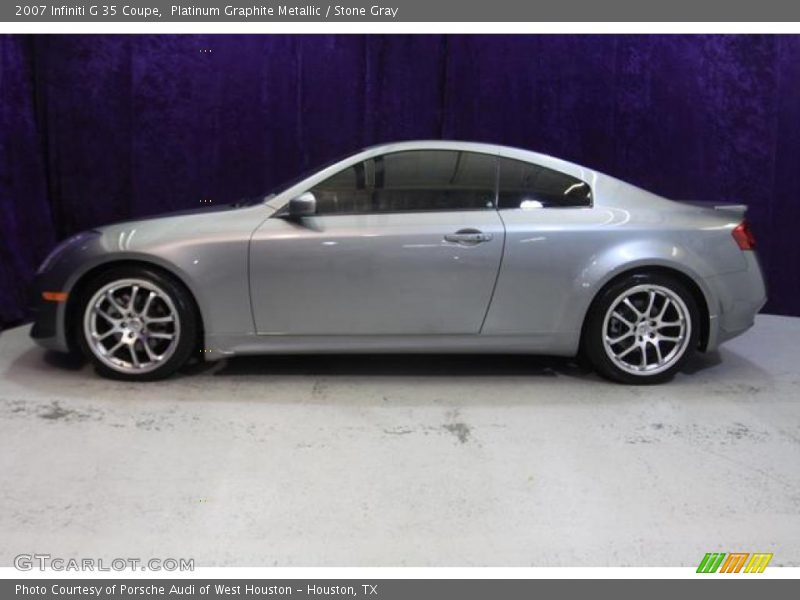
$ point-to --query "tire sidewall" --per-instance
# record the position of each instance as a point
(593, 333)
(187, 313)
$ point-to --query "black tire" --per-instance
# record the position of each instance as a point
(594, 347)
(186, 329)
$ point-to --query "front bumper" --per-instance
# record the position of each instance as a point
(49, 317)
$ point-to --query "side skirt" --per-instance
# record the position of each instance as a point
(220, 346)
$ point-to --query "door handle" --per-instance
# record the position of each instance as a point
(468, 237)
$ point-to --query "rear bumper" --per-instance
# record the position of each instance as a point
(740, 295)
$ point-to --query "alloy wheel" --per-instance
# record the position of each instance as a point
(131, 325)
(646, 329)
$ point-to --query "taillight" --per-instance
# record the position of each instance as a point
(744, 236)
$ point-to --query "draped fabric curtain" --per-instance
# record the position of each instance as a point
(26, 223)
(102, 128)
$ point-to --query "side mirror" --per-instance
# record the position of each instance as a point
(303, 205)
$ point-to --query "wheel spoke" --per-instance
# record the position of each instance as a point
(114, 303)
(167, 319)
(617, 340)
(643, 362)
(670, 324)
(134, 357)
(650, 303)
(657, 346)
(147, 303)
(149, 351)
(627, 302)
(161, 336)
(101, 336)
(662, 312)
(116, 347)
(99, 311)
(619, 317)
(628, 350)
(134, 291)
(668, 338)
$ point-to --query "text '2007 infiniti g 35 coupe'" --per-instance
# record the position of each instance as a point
(428, 246)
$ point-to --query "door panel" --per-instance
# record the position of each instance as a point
(552, 233)
(392, 274)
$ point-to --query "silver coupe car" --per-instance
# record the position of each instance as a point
(429, 246)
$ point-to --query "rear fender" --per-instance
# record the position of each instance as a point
(639, 255)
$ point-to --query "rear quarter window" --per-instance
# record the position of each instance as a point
(527, 185)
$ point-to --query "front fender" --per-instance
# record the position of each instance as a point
(213, 269)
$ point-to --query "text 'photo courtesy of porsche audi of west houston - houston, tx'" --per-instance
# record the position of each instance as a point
(429, 246)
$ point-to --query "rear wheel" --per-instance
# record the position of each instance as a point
(641, 329)
(137, 324)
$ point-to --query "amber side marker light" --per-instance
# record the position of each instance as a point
(55, 296)
(744, 236)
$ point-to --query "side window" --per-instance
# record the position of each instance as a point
(411, 181)
(524, 185)
(427, 180)
(343, 193)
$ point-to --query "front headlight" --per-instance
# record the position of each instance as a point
(68, 243)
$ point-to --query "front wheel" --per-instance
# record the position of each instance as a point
(641, 329)
(137, 324)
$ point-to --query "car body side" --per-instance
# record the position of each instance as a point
(554, 262)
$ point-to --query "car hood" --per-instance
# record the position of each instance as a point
(152, 232)
(203, 210)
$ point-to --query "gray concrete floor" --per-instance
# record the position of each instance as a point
(384, 461)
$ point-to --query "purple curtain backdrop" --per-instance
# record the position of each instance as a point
(101, 128)
(26, 224)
